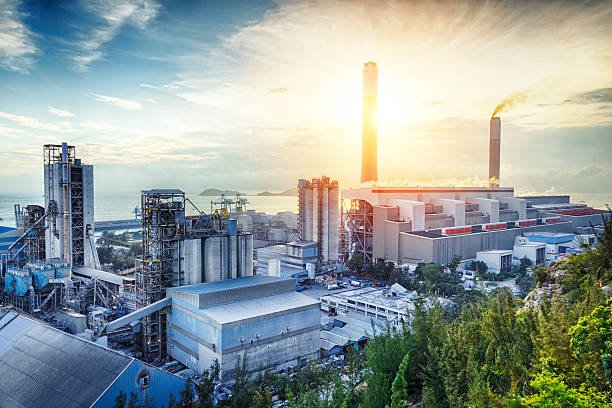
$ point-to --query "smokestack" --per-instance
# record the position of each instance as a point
(369, 138)
(494, 145)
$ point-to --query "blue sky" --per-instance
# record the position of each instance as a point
(252, 95)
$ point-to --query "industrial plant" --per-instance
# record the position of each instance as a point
(197, 296)
(412, 224)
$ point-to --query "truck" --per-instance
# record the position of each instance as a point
(332, 285)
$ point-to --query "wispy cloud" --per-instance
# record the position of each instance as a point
(60, 112)
(17, 49)
(603, 95)
(114, 14)
(119, 102)
(36, 124)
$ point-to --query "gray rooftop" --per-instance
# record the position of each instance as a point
(208, 294)
(163, 191)
(44, 367)
(209, 287)
(239, 311)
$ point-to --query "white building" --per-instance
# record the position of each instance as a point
(497, 260)
(319, 215)
(261, 317)
(534, 251)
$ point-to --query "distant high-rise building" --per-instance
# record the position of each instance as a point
(369, 141)
(69, 187)
(494, 148)
(319, 215)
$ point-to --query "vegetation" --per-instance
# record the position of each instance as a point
(116, 251)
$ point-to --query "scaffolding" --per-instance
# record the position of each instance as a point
(66, 171)
(163, 224)
(359, 227)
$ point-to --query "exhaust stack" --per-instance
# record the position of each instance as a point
(494, 148)
(369, 140)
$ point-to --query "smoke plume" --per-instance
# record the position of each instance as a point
(509, 102)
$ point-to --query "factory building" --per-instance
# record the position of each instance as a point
(180, 250)
(497, 260)
(434, 224)
(68, 187)
(293, 259)
(319, 215)
(261, 317)
(45, 367)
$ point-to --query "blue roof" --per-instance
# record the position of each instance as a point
(4, 229)
(550, 238)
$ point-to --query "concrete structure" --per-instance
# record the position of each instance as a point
(293, 258)
(534, 251)
(45, 367)
(319, 215)
(68, 187)
(556, 243)
(261, 317)
(369, 138)
(497, 260)
(209, 258)
(433, 224)
(494, 151)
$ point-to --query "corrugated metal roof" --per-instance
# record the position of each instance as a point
(209, 287)
(237, 311)
(44, 367)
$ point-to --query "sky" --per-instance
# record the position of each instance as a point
(253, 95)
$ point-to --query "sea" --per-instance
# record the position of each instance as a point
(118, 206)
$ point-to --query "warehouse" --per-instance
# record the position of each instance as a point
(261, 317)
(45, 367)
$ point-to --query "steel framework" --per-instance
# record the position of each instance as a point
(359, 226)
(163, 223)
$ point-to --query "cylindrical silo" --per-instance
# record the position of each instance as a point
(324, 236)
(232, 252)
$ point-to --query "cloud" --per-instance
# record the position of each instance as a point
(603, 95)
(114, 14)
(60, 112)
(17, 49)
(36, 124)
(282, 89)
(588, 171)
(120, 102)
(7, 131)
(414, 43)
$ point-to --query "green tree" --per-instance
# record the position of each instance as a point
(172, 401)
(399, 387)
(187, 396)
(207, 386)
(120, 400)
(454, 264)
(242, 391)
(552, 392)
(355, 263)
(591, 344)
(133, 402)
(384, 355)
(262, 399)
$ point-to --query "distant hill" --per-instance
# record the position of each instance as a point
(288, 193)
(215, 192)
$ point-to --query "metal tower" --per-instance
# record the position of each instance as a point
(163, 223)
